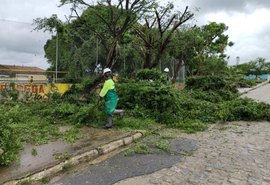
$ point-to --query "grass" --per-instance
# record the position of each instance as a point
(34, 152)
(163, 145)
(62, 156)
(66, 166)
(134, 123)
(139, 148)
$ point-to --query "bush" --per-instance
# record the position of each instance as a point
(89, 114)
(244, 109)
(150, 75)
(210, 83)
(212, 96)
(190, 126)
(9, 141)
(153, 96)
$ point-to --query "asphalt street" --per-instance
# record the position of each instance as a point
(122, 166)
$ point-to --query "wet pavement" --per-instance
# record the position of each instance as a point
(46, 155)
(123, 165)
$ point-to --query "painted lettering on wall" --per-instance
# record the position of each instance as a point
(32, 88)
(40, 89)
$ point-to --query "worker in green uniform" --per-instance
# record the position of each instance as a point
(108, 92)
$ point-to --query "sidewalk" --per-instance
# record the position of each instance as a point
(52, 158)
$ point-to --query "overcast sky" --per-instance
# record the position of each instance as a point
(248, 22)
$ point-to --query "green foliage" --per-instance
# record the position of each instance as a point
(191, 126)
(244, 83)
(9, 142)
(212, 96)
(67, 166)
(64, 109)
(89, 114)
(244, 109)
(139, 149)
(62, 156)
(72, 135)
(202, 49)
(146, 102)
(255, 67)
(205, 100)
(151, 75)
(34, 152)
(134, 123)
(163, 145)
(206, 83)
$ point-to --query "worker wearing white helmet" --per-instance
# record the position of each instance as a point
(110, 95)
(166, 71)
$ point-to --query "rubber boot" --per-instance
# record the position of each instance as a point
(119, 112)
(109, 124)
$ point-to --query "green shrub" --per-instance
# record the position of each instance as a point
(244, 109)
(63, 110)
(150, 75)
(153, 96)
(89, 114)
(244, 83)
(9, 140)
(206, 83)
(134, 123)
(10, 143)
(212, 96)
(190, 126)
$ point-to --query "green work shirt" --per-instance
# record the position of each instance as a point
(108, 85)
(111, 98)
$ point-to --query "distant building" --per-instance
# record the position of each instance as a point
(22, 74)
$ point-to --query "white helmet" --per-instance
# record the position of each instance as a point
(106, 70)
(166, 70)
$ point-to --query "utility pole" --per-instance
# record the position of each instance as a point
(97, 51)
(56, 56)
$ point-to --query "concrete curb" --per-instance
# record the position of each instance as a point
(253, 88)
(87, 156)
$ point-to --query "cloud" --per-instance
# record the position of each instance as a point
(247, 20)
(19, 44)
(249, 32)
(207, 6)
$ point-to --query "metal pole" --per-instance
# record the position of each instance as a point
(56, 55)
(124, 60)
(97, 51)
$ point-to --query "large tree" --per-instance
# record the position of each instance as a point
(200, 47)
(120, 17)
(157, 30)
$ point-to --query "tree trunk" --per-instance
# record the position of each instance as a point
(112, 54)
(178, 67)
(147, 60)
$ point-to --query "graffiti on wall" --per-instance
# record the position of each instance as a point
(40, 89)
